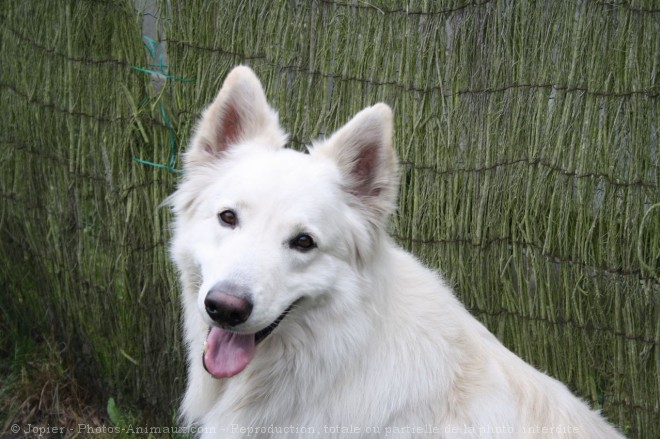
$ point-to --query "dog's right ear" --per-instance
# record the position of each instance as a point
(239, 113)
(362, 150)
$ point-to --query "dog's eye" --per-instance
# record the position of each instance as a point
(302, 242)
(228, 218)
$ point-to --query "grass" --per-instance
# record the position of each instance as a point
(40, 392)
(42, 397)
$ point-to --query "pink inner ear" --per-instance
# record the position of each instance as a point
(364, 171)
(229, 129)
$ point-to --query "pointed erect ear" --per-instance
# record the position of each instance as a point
(238, 114)
(362, 149)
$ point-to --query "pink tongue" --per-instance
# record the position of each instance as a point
(227, 353)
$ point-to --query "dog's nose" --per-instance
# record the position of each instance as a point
(227, 309)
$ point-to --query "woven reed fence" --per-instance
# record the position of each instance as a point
(527, 131)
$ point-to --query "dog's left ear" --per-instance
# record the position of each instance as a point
(240, 113)
(362, 149)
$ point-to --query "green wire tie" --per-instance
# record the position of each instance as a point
(152, 47)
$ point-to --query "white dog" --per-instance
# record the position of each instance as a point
(303, 319)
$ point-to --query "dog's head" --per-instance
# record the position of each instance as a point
(260, 228)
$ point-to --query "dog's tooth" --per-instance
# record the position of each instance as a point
(206, 346)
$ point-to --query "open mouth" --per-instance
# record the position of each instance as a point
(227, 353)
(261, 335)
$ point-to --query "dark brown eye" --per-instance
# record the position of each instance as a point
(228, 218)
(302, 242)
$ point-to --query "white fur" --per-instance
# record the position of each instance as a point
(378, 346)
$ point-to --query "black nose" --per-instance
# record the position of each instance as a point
(225, 308)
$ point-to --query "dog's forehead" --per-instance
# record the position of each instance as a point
(284, 176)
